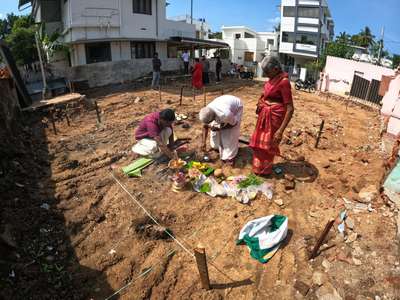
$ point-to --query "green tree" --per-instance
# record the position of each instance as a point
(343, 38)
(277, 27)
(215, 35)
(336, 49)
(6, 25)
(21, 40)
(363, 39)
(396, 60)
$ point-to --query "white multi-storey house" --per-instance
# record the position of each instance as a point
(306, 27)
(203, 29)
(248, 46)
(115, 30)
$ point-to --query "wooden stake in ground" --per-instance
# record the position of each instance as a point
(205, 96)
(222, 91)
(201, 260)
(159, 92)
(53, 122)
(321, 239)
(194, 95)
(321, 127)
(66, 116)
(97, 111)
(180, 99)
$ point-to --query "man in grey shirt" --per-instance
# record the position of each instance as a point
(156, 71)
(206, 70)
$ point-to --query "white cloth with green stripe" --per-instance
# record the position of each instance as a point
(263, 236)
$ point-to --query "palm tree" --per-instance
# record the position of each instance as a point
(365, 38)
(343, 38)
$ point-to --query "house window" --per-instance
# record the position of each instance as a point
(142, 49)
(248, 36)
(142, 7)
(289, 11)
(238, 36)
(307, 39)
(172, 52)
(248, 56)
(270, 42)
(308, 12)
(98, 52)
(288, 37)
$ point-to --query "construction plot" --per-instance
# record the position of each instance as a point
(90, 227)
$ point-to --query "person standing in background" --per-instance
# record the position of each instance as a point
(197, 74)
(218, 69)
(155, 84)
(206, 70)
(185, 58)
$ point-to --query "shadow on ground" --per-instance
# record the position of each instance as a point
(37, 260)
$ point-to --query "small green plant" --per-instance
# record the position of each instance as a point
(249, 181)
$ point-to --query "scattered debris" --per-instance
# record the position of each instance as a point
(351, 238)
(279, 202)
(290, 185)
(138, 100)
(319, 278)
(357, 262)
(361, 183)
(350, 223)
(328, 292)
(301, 287)
(151, 231)
(326, 264)
(45, 206)
(366, 195)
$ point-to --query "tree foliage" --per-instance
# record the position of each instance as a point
(364, 38)
(19, 33)
(396, 60)
(344, 38)
(7, 24)
(215, 35)
(337, 49)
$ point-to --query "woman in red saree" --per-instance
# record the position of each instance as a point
(197, 74)
(275, 110)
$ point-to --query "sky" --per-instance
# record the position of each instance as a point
(261, 15)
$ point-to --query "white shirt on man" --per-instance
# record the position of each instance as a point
(185, 56)
(228, 110)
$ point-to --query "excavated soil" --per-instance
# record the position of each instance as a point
(94, 238)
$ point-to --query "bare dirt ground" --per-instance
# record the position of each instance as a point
(108, 241)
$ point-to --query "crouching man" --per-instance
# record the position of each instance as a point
(155, 136)
(223, 117)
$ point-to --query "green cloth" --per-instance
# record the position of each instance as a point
(264, 236)
(135, 168)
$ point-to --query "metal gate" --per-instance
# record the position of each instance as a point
(364, 89)
(373, 93)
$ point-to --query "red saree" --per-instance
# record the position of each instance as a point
(270, 118)
(197, 76)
